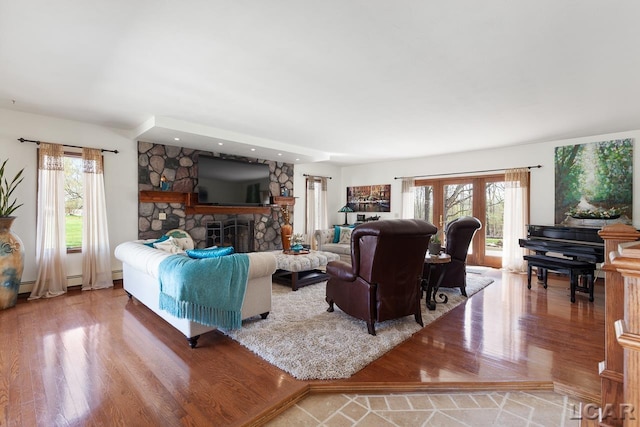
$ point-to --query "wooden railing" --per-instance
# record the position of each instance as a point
(620, 371)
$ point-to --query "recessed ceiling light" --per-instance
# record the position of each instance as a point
(220, 143)
(279, 154)
(297, 160)
(176, 139)
(253, 149)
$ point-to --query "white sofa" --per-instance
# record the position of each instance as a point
(324, 242)
(140, 267)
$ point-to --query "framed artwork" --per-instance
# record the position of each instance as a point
(369, 198)
(594, 182)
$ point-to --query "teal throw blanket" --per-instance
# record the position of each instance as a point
(208, 291)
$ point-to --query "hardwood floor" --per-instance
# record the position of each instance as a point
(98, 358)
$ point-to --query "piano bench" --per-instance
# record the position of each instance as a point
(575, 270)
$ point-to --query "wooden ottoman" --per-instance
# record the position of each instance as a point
(297, 270)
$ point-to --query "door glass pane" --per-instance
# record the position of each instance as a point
(423, 206)
(494, 220)
(458, 201)
(442, 201)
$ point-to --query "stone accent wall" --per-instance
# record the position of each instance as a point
(179, 167)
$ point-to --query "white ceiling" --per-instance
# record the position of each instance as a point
(343, 81)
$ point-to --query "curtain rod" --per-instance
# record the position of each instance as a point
(66, 145)
(460, 173)
(317, 176)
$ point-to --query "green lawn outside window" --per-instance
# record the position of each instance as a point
(73, 224)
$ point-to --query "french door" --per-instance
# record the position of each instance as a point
(440, 201)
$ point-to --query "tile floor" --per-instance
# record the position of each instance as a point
(488, 408)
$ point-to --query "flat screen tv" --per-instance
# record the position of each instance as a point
(231, 182)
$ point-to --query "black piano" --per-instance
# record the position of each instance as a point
(571, 250)
(577, 243)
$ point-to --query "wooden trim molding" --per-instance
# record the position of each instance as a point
(625, 338)
(609, 373)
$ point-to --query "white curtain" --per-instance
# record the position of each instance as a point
(96, 254)
(51, 248)
(408, 200)
(317, 213)
(516, 218)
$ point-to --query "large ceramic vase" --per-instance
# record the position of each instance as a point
(285, 231)
(11, 263)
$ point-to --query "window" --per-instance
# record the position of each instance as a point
(316, 206)
(73, 200)
(440, 201)
(314, 217)
(71, 217)
(494, 215)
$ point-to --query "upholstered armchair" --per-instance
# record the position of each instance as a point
(383, 280)
(458, 236)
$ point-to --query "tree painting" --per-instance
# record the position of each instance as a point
(594, 181)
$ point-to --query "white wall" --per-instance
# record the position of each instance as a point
(335, 189)
(121, 177)
(542, 180)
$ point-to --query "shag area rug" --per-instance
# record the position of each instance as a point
(303, 339)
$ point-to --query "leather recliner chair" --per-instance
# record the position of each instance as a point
(458, 236)
(383, 280)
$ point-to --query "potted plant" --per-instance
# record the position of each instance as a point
(7, 206)
(11, 248)
(435, 244)
(296, 242)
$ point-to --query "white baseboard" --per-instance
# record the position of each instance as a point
(76, 280)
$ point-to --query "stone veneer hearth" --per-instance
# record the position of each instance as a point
(179, 166)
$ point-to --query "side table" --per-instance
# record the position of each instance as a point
(443, 260)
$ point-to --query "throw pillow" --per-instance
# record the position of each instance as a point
(183, 239)
(161, 239)
(336, 233)
(213, 252)
(170, 245)
(345, 235)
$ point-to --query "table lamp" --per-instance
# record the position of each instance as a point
(346, 209)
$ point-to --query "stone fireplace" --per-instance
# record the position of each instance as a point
(251, 232)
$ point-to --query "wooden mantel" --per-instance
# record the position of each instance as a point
(162, 197)
(190, 201)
